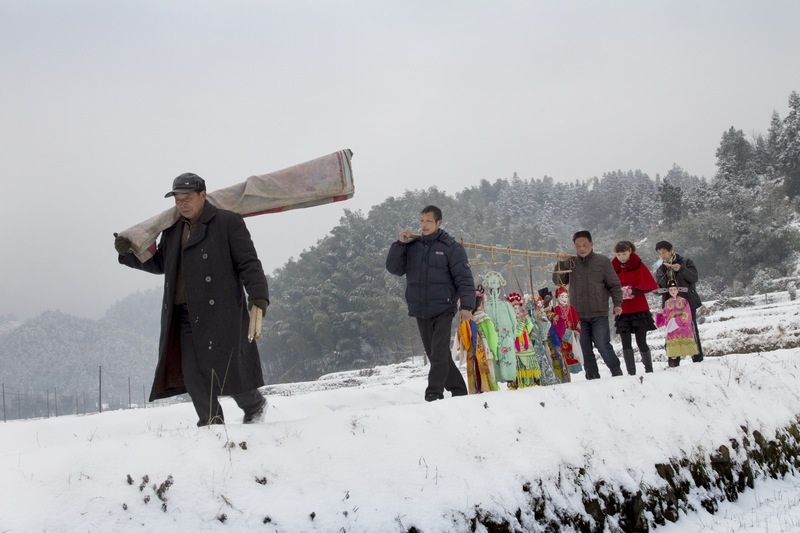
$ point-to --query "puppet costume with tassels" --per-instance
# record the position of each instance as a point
(567, 325)
(479, 355)
(529, 373)
(677, 317)
(502, 314)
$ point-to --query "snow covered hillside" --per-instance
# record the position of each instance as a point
(362, 451)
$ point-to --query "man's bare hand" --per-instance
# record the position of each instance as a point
(405, 235)
(465, 315)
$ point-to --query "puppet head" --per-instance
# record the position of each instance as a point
(672, 288)
(514, 298)
(562, 294)
(479, 298)
(493, 281)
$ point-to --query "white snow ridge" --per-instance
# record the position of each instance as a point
(617, 454)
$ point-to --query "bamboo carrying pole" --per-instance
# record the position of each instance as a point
(558, 256)
(512, 251)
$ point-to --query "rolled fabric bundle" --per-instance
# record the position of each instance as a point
(320, 181)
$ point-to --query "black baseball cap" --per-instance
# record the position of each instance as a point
(187, 182)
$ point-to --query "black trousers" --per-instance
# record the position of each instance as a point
(699, 356)
(203, 388)
(444, 373)
(641, 340)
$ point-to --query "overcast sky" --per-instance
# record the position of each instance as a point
(103, 103)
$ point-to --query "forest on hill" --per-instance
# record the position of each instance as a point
(335, 307)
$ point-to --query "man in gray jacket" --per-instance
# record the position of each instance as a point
(592, 280)
(438, 278)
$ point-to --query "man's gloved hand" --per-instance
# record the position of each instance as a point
(258, 302)
(121, 244)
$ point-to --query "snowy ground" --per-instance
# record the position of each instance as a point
(373, 456)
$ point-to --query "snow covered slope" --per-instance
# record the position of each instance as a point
(373, 456)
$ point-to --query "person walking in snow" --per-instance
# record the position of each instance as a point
(681, 270)
(208, 260)
(438, 278)
(635, 318)
(592, 281)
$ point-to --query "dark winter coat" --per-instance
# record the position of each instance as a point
(591, 283)
(437, 274)
(685, 277)
(219, 261)
(635, 274)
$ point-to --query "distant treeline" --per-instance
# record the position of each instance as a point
(336, 308)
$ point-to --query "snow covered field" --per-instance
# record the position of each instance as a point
(362, 451)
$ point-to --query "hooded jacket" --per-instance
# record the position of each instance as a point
(635, 274)
(437, 274)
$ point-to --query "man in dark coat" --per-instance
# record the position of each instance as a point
(592, 281)
(683, 271)
(208, 259)
(438, 276)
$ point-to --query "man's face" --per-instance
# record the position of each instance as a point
(665, 254)
(190, 204)
(583, 246)
(563, 298)
(427, 224)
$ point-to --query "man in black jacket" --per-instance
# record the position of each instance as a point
(208, 261)
(683, 271)
(438, 275)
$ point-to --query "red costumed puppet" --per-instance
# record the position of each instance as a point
(567, 326)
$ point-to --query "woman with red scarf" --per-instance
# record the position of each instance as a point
(635, 319)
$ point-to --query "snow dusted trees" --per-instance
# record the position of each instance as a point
(734, 157)
(336, 308)
(747, 220)
(788, 141)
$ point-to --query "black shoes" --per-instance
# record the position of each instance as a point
(257, 415)
(432, 397)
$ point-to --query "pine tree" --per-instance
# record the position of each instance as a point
(733, 157)
(774, 136)
(694, 190)
(789, 147)
(672, 202)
